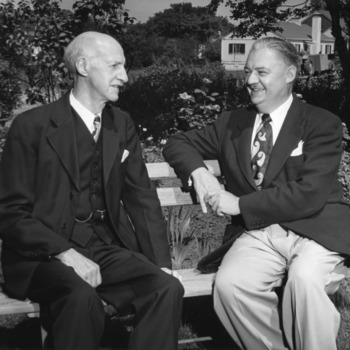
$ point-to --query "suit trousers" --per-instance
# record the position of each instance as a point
(246, 301)
(128, 280)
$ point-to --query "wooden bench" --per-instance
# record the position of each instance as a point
(195, 283)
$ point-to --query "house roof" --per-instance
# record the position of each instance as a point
(293, 31)
(326, 19)
(303, 32)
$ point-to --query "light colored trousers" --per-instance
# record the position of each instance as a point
(246, 302)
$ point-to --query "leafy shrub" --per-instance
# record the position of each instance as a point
(198, 110)
(10, 94)
(325, 90)
(344, 168)
(3, 133)
(154, 101)
(180, 234)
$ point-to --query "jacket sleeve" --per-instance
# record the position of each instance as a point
(19, 229)
(142, 204)
(186, 152)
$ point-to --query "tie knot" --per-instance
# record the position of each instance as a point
(266, 118)
(97, 119)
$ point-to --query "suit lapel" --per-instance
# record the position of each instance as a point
(111, 142)
(62, 138)
(287, 141)
(242, 137)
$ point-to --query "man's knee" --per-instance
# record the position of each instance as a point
(83, 298)
(305, 277)
(228, 280)
(173, 285)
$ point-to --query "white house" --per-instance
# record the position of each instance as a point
(311, 35)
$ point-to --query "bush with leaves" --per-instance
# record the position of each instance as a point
(180, 234)
(199, 109)
(34, 33)
(344, 168)
(325, 90)
(154, 101)
(10, 94)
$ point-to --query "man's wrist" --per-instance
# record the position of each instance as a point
(197, 172)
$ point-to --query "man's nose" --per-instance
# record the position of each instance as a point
(251, 78)
(123, 76)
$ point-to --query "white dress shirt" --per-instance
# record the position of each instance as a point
(87, 116)
(277, 118)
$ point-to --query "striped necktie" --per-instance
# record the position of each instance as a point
(262, 147)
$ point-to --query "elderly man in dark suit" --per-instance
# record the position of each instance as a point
(280, 160)
(79, 218)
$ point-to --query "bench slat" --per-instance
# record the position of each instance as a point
(174, 196)
(9, 306)
(171, 196)
(159, 170)
(195, 284)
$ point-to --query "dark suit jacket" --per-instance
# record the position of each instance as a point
(300, 190)
(39, 190)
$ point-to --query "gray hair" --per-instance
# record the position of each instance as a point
(285, 48)
(84, 45)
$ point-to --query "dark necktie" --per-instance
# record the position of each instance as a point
(96, 131)
(262, 147)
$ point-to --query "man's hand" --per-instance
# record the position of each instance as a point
(204, 182)
(84, 267)
(223, 202)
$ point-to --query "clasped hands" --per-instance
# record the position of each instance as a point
(209, 192)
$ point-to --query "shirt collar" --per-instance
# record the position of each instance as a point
(87, 116)
(279, 114)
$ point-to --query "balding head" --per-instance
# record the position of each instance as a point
(87, 45)
(97, 63)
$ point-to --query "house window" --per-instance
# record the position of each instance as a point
(298, 47)
(328, 49)
(236, 49)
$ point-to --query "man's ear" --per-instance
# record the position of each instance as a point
(291, 74)
(82, 66)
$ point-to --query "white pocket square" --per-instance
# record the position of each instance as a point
(125, 155)
(299, 150)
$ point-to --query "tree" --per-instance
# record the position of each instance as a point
(183, 31)
(107, 16)
(340, 9)
(33, 36)
(259, 18)
(185, 21)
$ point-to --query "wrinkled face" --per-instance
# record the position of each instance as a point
(106, 72)
(268, 79)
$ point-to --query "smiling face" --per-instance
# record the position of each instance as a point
(268, 78)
